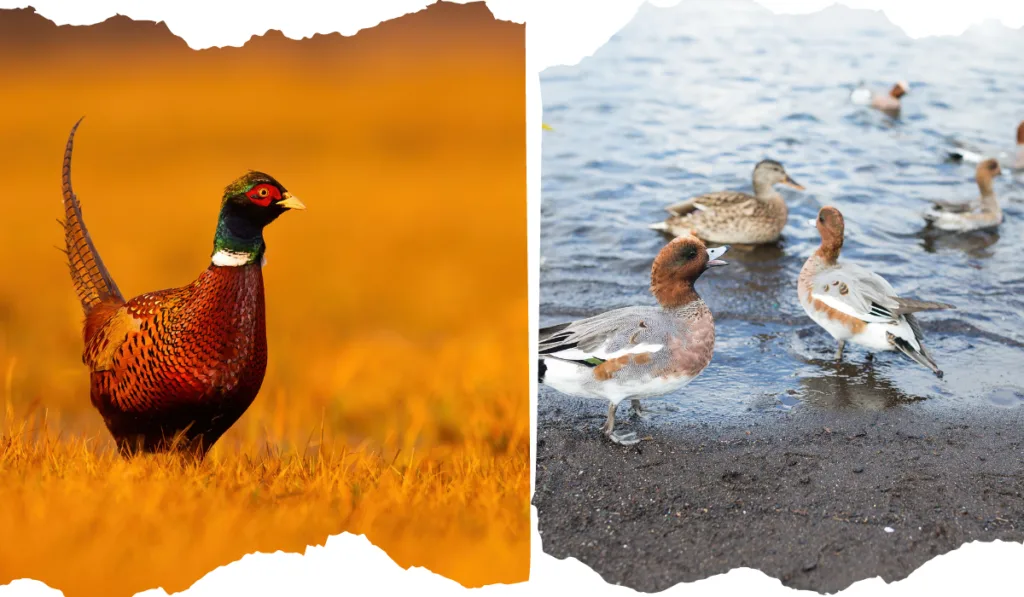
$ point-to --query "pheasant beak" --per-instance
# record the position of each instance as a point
(289, 201)
(789, 182)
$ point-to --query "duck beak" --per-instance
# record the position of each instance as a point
(713, 257)
(289, 201)
(546, 127)
(789, 182)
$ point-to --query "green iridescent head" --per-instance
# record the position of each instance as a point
(250, 203)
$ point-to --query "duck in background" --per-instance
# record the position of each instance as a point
(980, 214)
(638, 352)
(889, 103)
(1012, 159)
(853, 303)
(734, 217)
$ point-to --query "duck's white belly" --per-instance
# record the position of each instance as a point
(874, 336)
(958, 223)
(577, 380)
(833, 327)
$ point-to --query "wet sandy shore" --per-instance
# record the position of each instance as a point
(818, 499)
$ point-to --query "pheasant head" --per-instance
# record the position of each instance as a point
(249, 204)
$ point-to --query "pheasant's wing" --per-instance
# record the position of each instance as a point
(129, 334)
(606, 336)
(733, 200)
(105, 345)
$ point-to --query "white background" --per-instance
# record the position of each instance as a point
(558, 32)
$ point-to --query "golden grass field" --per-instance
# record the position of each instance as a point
(396, 398)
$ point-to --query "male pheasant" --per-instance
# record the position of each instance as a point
(174, 369)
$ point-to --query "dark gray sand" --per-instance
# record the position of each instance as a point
(806, 496)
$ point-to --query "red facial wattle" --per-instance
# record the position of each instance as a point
(263, 194)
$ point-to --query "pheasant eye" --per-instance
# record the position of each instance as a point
(262, 194)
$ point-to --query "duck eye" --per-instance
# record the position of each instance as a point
(821, 219)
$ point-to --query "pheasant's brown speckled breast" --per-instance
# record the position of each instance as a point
(184, 361)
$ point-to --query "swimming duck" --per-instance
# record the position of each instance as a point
(733, 216)
(976, 215)
(885, 102)
(638, 352)
(855, 304)
(1013, 159)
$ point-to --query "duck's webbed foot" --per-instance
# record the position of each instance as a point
(623, 439)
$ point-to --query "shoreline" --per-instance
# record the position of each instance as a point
(816, 498)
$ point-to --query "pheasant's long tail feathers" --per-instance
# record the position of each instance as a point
(92, 281)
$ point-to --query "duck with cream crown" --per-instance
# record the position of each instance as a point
(855, 304)
(638, 352)
(888, 103)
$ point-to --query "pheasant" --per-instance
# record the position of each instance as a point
(174, 369)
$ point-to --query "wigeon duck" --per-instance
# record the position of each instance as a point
(733, 216)
(1013, 159)
(858, 305)
(885, 102)
(976, 215)
(638, 352)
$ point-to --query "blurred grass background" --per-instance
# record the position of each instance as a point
(395, 402)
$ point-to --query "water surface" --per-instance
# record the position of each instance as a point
(685, 100)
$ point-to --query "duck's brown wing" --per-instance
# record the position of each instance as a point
(732, 200)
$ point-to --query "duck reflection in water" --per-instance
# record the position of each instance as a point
(851, 386)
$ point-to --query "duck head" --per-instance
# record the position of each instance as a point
(987, 170)
(249, 204)
(832, 229)
(677, 267)
(768, 173)
(900, 89)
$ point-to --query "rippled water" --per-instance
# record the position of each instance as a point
(685, 100)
